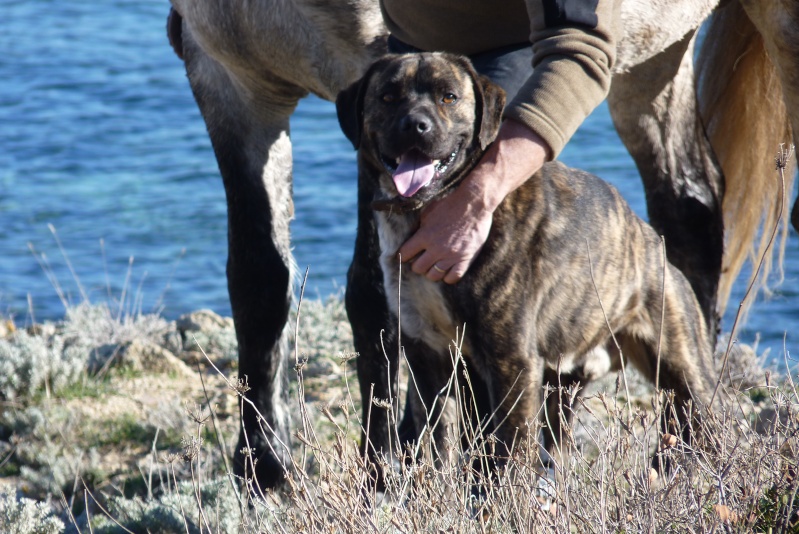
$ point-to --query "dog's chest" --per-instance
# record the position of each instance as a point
(425, 314)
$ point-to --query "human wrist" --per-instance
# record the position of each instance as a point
(511, 160)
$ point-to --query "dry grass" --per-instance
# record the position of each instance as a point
(144, 452)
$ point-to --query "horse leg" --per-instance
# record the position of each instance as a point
(653, 106)
(253, 151)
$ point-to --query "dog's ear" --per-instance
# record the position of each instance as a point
(349, 105)
(349, 109)
(490, 103)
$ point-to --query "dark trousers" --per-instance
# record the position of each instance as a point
(509, 66)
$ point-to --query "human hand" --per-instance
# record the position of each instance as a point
(451, 233)
(453, 230)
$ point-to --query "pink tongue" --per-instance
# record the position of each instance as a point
(415, 170)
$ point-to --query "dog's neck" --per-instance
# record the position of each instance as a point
(397, 205)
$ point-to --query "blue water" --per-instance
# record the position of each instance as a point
(100, 138)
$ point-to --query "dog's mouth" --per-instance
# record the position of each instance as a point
(414, 170)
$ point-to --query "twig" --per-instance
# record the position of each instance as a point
(662, 315)
(298, 368)
(41, 259)
(120, 525)
(88, 516)
(69, 263)
(219, 441)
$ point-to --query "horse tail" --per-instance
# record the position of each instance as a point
(742, 107)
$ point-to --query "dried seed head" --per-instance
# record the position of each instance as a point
(653, 475)
(240, 385)
(191, 447)
(382, 403)
(668, 441)
(347, 356)
(196, 413)
(783, 156)
(170, 457)
(724, 513)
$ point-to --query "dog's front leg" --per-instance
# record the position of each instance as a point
(515, 385)
(372, 330)
(438, 407)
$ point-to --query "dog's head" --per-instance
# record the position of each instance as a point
(422, 121)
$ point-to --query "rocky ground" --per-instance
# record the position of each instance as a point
(103, 400)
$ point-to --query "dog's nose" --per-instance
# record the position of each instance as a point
(417, 124)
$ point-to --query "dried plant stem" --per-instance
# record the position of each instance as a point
(662, 313)
(120, 525)
(781, 161)
(298, 366)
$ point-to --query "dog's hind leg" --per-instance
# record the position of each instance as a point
(253, 151)
(684, 364)
(564, 389)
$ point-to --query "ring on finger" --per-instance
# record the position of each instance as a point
(439, 269)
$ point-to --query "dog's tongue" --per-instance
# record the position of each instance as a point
(415, 170)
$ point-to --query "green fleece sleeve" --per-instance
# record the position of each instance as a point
(574, 48)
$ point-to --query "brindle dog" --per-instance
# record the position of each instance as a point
(567, 267)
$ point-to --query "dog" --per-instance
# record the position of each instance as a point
(568, 276)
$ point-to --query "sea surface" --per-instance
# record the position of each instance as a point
(109, 189)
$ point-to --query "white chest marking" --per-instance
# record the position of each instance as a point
(424, 314)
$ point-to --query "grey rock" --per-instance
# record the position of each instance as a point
(139, 356)
(202, 321)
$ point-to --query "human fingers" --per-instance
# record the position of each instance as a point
(456, 272)
(436, 273)
(424, 263)
(411, 250)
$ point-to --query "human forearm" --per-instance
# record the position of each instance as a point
(511, 160)
(573, 55)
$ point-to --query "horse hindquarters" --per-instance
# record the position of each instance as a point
(254, 156)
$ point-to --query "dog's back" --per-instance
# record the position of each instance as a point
(567, 255)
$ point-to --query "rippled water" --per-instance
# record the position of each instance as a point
(100, 138)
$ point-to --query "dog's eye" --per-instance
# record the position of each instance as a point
(448, 98)
(389, 98)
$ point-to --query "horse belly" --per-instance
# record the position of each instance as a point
(651, 26)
